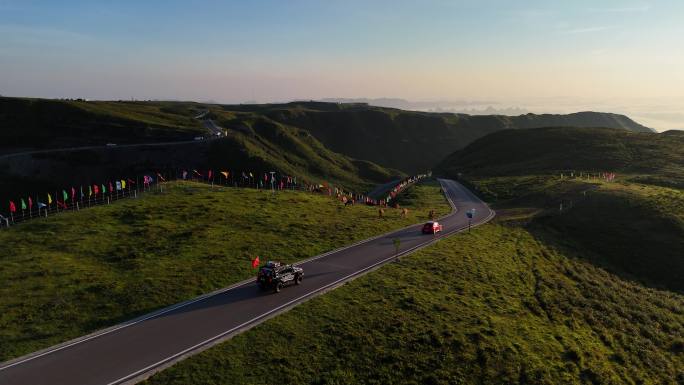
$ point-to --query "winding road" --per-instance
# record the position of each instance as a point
(132, 351)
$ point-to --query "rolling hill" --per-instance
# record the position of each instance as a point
(261, 146)
(409, 141)
(48, 123)
(633, 226)
(414, 141)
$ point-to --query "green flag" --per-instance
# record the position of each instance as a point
(23, 204)
(104, 189)
(65, 195)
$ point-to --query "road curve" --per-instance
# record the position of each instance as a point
(135, 350)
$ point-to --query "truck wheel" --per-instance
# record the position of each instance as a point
(298, 279)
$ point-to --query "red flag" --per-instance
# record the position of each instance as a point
(255, 262)
(209, 175)
(13, 209)
(62, 204)
(131, 181)
(30, 203)
(96, 189)
(73, 193)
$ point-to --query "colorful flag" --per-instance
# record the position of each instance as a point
(96, 190)
(23, 204)
(255, 262)
(104, 189)
(73, 193)
(185, 174)
(197, 172)
(90, 191)
(49, 199)
(13, 208)
(62, 205)
(123, 184)
(30, 203)
(118, 185)
(225, 173)
(82, 195)
(131, 181)
(161, 178)
(41, 205)
(250, 175)
(209, 175)
(111, 188)
(65, 195)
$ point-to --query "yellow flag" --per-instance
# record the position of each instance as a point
(225, 173)
(123, 184)
(49, 199)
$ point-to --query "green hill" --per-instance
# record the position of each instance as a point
(47, 123)
(633, 226)
(261, 146)
(658, 158)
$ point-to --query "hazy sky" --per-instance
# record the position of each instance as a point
(555, 56)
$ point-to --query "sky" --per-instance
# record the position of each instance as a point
(553, 56)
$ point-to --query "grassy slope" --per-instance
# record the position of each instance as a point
(45, 123)
(633, 228)
(77, 272)
(263, 144)
(493, 306)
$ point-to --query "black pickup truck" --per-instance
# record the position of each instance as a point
(274, 276)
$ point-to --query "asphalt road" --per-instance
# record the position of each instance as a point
(65, 149)
(135, 350)
(211, 126)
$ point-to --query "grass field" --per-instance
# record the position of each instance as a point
(77, 272)
(494, 306)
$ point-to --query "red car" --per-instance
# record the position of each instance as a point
(432, 228)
